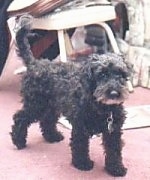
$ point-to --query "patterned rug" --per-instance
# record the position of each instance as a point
(137, 117)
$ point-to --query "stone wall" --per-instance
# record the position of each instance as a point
(137, 45)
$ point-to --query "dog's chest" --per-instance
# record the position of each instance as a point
(104, 119)
(96, 122)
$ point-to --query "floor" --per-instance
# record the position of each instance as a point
(43, 161)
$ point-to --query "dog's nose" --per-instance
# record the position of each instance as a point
(114, 94)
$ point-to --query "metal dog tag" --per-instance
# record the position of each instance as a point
(110, 123)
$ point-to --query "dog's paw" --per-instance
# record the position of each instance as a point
(18, 142)
(56, 137)
(83, 165)
(21, 146)
(116, 170)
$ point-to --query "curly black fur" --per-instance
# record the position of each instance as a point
(89, 92)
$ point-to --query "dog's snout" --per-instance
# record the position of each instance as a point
(114, 94)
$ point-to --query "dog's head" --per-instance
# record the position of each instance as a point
(108, 74)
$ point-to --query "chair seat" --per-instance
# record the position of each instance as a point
(75, 17)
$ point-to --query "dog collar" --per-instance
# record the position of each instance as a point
(110, 123)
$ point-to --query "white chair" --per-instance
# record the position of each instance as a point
(84, 13)
(77, 17)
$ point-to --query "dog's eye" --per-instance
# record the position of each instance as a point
(103, 75)
(125, 76)
(118, 76)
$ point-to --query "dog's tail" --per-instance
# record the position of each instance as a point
(23, 31)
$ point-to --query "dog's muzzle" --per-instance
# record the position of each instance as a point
(110, 97)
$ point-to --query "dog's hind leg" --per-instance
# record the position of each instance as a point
(22, 120)
(113, 159)
(49, 128)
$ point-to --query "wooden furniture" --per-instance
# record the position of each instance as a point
(75, 14)
(77, 17)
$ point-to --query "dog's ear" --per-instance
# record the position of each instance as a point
(87, 77)
(89, 72)
(86, 71)
(85, 66)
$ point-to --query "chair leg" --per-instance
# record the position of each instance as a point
(69, 47)
(111, 37)
(62, 46)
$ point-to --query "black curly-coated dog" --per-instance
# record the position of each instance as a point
(89, 91)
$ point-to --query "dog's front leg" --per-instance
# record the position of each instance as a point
(113, 147)
(80, 150)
